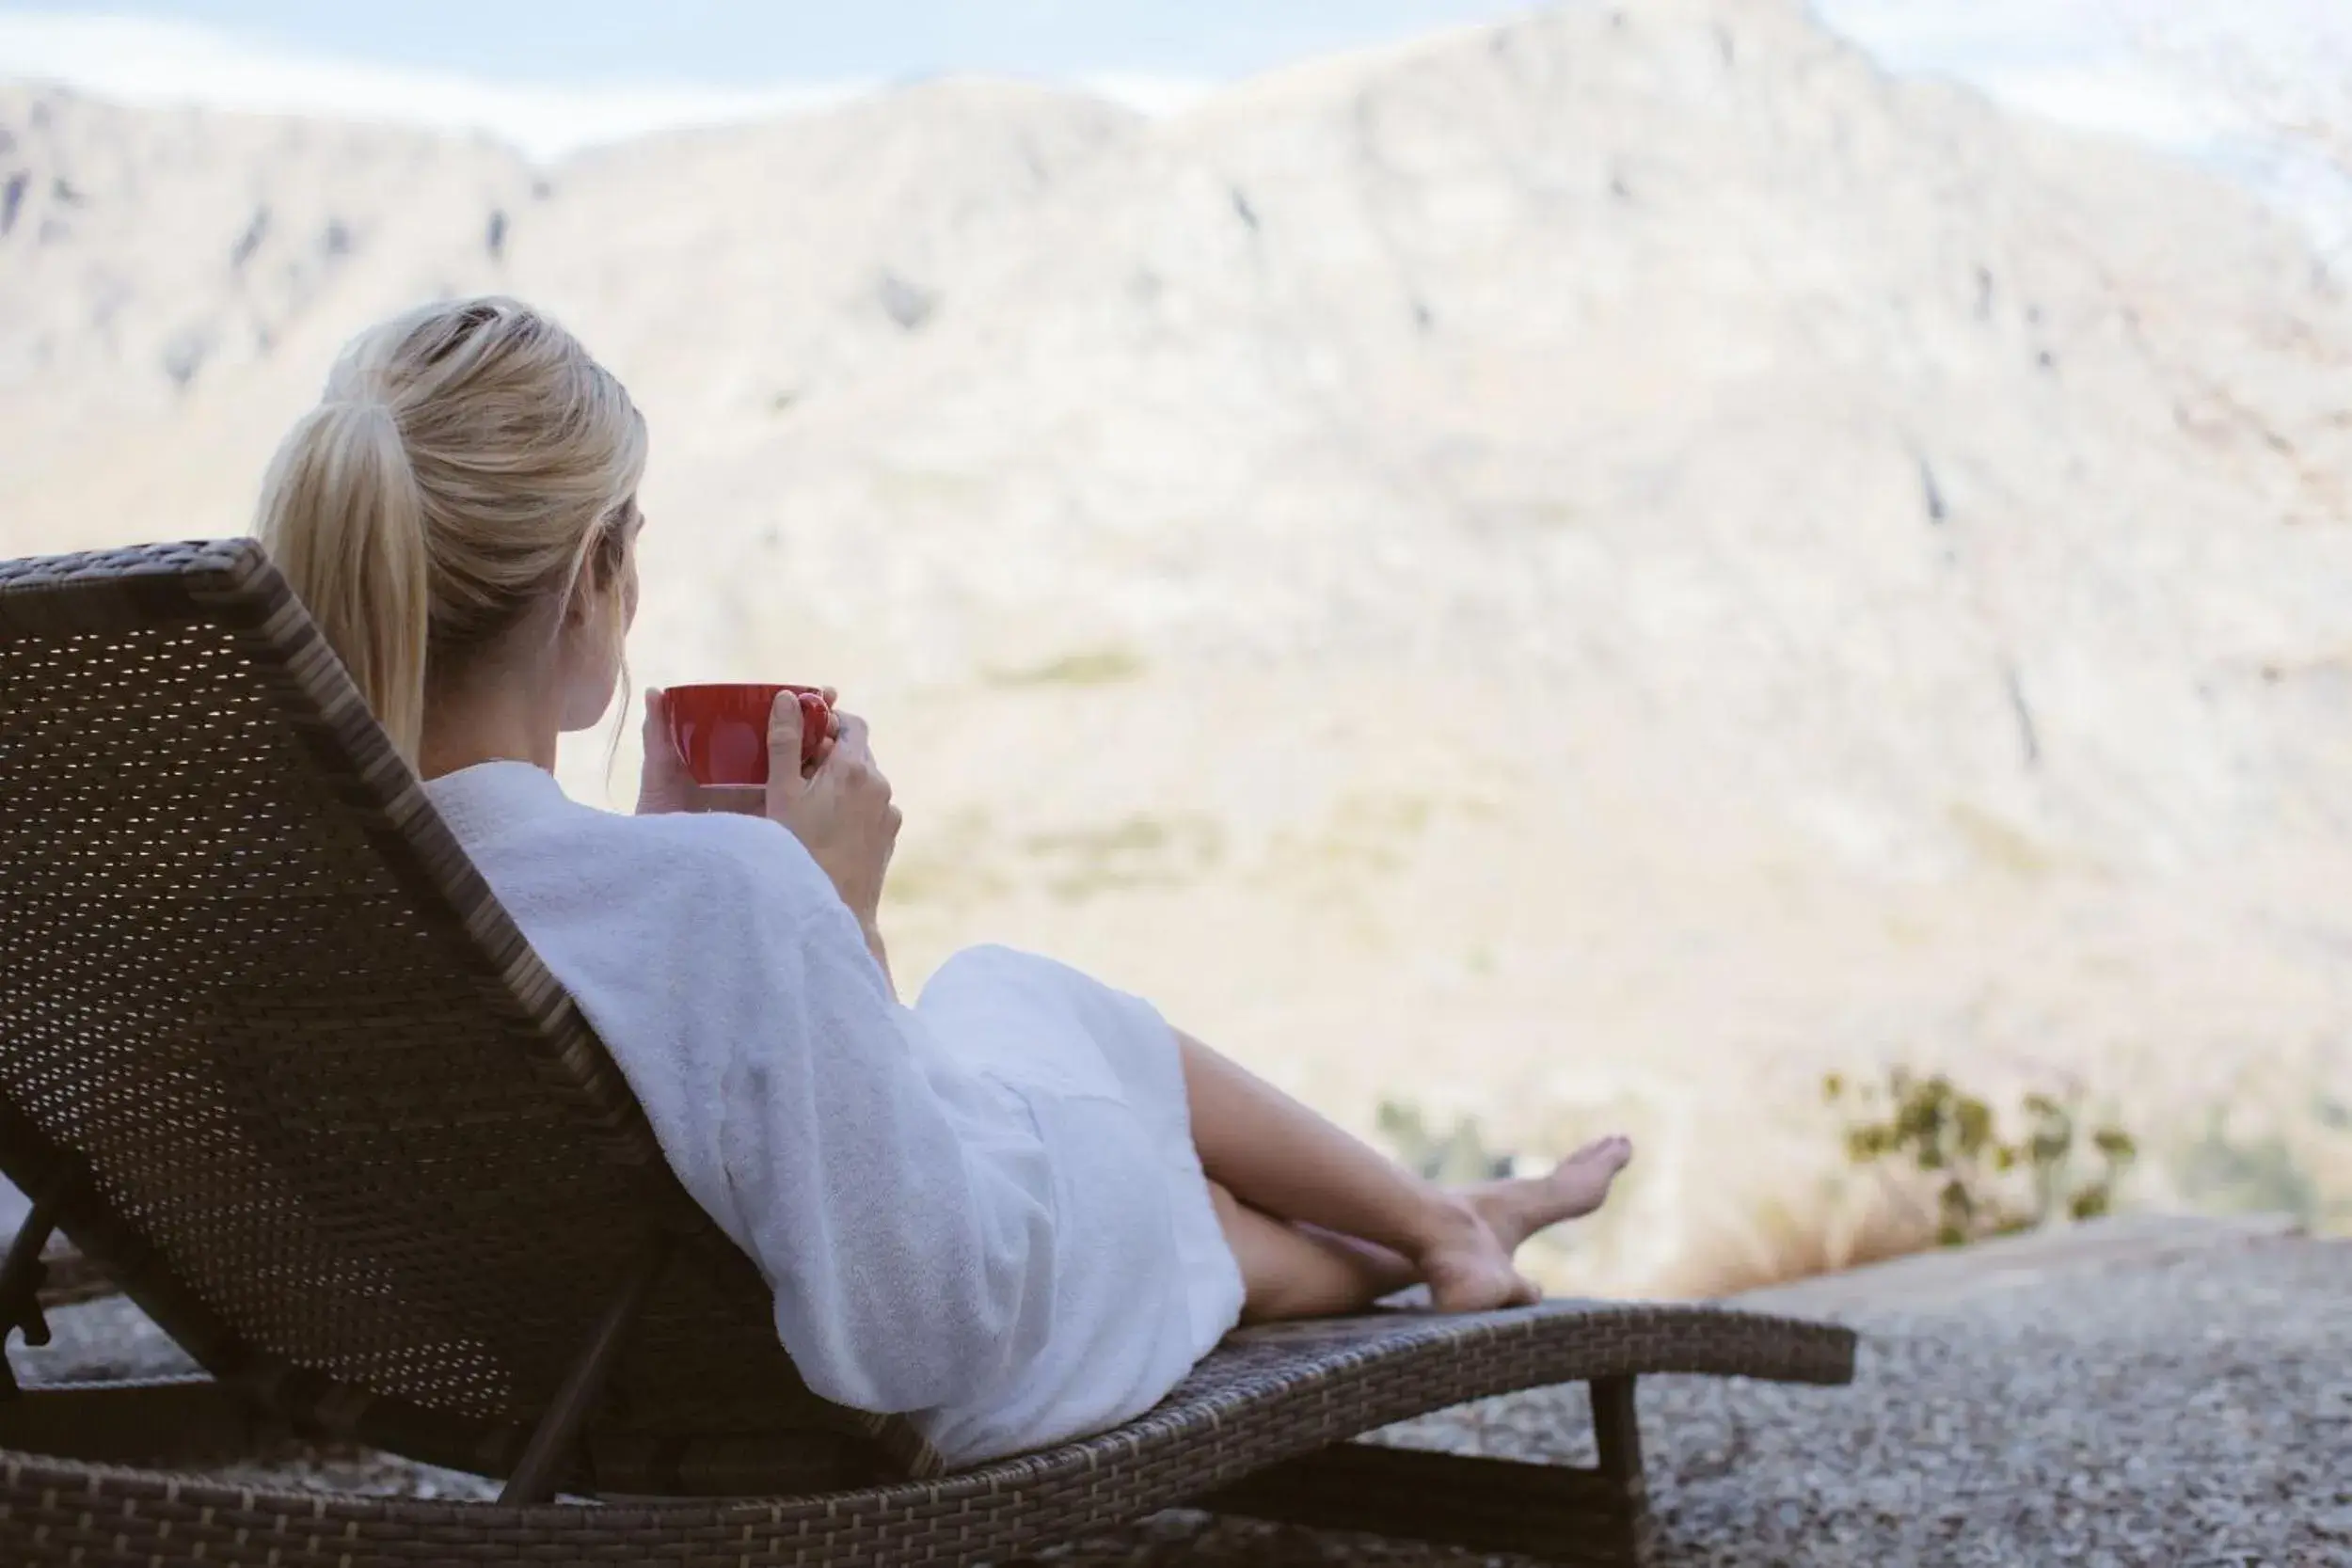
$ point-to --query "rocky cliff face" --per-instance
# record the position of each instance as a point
(1629, 526)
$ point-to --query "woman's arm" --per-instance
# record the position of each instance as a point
(841, 810)
(909, 1239)
(872, 933)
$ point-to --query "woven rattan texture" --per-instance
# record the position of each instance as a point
(1267, 1396)
(338, 1116)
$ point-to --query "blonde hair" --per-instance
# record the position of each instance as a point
(466, 463)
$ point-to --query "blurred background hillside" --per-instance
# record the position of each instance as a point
(1549, 569)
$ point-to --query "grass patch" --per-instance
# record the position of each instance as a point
(1087, 667)
(1998, 844)
(1136, 852)
(2274, 1159)
(946, 867)
(1364, 833)
(1458, 1154)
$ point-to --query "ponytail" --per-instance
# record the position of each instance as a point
(342, 518)
(467, 461)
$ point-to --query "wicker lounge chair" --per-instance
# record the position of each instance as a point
(274, 1059)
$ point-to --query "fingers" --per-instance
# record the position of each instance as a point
(833, 711)
(784, 748)
(660, 758)
(846, 762)
(784, 726)
(663, 784)
(849, 735)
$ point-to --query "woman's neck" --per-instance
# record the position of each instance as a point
(495, 722)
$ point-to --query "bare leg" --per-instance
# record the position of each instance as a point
(1387, 1226)
(1302, 1271)
(1293, 1271)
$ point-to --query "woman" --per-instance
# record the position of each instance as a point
(1019, 1210)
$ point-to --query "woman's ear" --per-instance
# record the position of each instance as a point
(601, 572)
(590, 589)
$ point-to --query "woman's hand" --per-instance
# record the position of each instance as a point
(663, 781)
(841, 811)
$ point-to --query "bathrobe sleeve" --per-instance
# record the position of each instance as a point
(910, 1247)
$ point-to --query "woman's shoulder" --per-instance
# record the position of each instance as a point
(527, 831)
(731, 856)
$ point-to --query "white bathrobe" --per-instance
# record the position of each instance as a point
(984, 1210)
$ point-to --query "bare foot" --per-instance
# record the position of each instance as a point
(1516, 1209)
(1471, 1272)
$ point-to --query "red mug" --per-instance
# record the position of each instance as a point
(720, 732)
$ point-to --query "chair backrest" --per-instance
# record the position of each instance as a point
(309, 1095)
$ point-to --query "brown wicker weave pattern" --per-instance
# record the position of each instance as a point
(349, 1134)
(1265, 1397)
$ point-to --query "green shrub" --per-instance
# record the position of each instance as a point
(2248, 1174)
(1457, 1155)
(1985, 1182)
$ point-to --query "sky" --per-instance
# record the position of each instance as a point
(553, 76)
(749, 43)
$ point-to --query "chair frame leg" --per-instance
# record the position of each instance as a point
(553, 1447)
(1566, 1513)
(1617, 1435)
(20, 1277)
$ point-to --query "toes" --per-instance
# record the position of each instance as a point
(1616, 1151)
